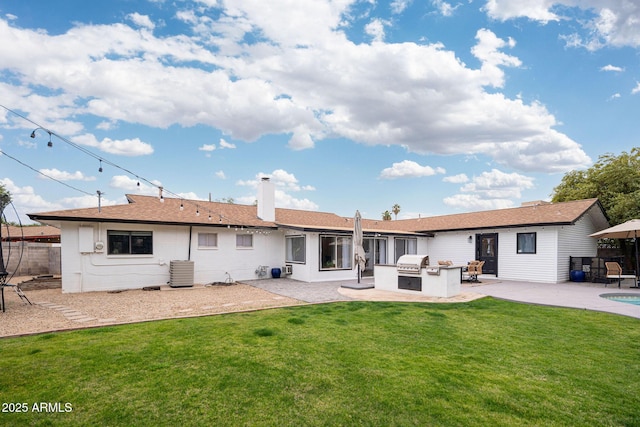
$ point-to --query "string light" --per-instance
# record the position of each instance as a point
(100, 161)
(33, 135)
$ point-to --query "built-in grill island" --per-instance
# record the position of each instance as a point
(410, 271)
(413, 274)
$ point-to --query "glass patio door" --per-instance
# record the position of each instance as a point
(375, 252)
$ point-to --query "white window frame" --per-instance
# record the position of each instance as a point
(207, 243)
(239, 241)
(408, 249)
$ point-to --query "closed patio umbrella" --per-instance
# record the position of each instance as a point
(358, 248)
(626, 230)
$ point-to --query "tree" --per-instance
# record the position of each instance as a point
(5, 199)
(386, 216)
(614, 180)
(396, 210)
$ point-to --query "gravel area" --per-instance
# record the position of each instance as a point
(51, 310)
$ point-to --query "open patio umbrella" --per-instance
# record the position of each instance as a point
(358, 248)
(626, 230)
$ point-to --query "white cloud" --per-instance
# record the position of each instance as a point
(473, 202)
(225, 144)
(399, 6)
(24, 201)
(444, 8)
(490, 190)
(426, 99)
(375, 29)
(613, 22)
(456, 179)
(122, 147)
(636, 89)
(66, 176)
(141, 20)
(89, 201)
(207, 147)
(285, 184)
(221, 175)
(612, 68)
(537, 10)
(128, 184)
(409, 168)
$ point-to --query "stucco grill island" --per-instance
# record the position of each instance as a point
(413, 274)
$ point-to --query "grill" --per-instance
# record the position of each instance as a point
(410, 271)
(412, 264)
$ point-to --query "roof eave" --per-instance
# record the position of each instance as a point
(59, 219)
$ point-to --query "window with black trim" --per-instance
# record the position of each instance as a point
(526, 243)
(295, 249)
(129, 242)
(335, 253)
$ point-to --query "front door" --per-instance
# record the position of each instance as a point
(487, 251)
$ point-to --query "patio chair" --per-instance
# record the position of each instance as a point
(474, 269)
(614, 271)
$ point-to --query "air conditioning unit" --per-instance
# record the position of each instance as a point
(287, 269)
(180, 274)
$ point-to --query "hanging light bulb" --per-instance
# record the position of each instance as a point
(181, 206)
(100, 168)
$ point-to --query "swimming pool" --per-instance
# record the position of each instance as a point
(626, 298)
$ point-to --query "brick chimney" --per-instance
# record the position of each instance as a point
(266, 200)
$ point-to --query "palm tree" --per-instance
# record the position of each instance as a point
(396, 210)
(386, 216)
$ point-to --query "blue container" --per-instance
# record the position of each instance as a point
(275, 273)
(576, 276)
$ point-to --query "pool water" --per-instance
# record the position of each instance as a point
(626, 298)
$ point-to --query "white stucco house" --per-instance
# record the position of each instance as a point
(132, 245)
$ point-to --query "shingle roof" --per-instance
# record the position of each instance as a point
(30, 232)
(149, 209)
(535, 214)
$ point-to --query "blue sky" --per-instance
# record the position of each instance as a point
(440, 107)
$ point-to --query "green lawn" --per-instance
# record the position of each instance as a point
(486, 362)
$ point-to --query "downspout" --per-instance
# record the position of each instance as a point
(190, 233)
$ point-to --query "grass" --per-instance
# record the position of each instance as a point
(486, 362)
